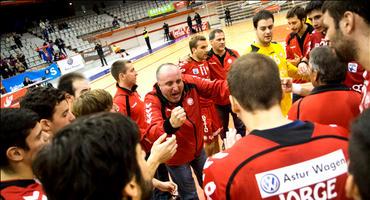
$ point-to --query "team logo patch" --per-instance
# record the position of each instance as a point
(352, 67)
(190, 101)
(229, 60)
(270, 183)
(196, 71)
(70, 61)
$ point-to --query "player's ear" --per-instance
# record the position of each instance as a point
(352, 191)
(348, 22)
(235, 106)
(131, 189)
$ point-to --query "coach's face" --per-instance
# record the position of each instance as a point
(171, 85)
(343, 45)
(218, 43)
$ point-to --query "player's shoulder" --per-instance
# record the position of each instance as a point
(331, 129)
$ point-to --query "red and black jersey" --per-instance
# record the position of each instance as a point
(299, 160)
(190, 135)
(365, 102)
(199, 69)
(317, 39)
(354, 77)
(21, 190)
(298, 45)
(131, 105)
(219, 66)
(328, 104)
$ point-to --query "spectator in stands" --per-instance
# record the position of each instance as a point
(49, 26)
(357, 186)
(99, 50)
(59, 56)
(115, 23)
(113, 165)
(17, 40)
(60, 44)
(198, 20)
(190, 24)
(117, 49)
(21, 138)
(228, 17)
(19, 66)
(52, 107)
(5, 71)
(147, 41)
(166, 29)
(44, 31)
(22, 58)
(27, 81)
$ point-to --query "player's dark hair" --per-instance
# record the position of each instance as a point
(212, 34)
(120, 66)
(296, 11)
(66, 82)
(337, 9)
(43, 101)
(359, 150)
(92, 158)
(16, 125)
(327, 65)
(313, 5)
(261, 88)
(263, 14)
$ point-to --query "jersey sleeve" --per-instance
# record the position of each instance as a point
(216, 90)
(293, 112)
(156, 124)
(289, 53)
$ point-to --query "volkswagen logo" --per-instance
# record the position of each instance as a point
(270, 183)
(70, 61)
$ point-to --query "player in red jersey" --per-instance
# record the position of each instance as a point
(220, 59)
(297, 42)
(350, 42)
(279, 158)
(330, 102)
(196, 64)
(21, 138)
(354, 77)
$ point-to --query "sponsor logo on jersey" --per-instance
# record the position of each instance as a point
(229, 60)
(195, 71)
(303, 174)
(190, 101)
(270, 183)
(352, 67)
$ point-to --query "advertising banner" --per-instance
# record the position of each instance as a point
(161, 10)
(93, 55)
(71, 64)
(12, 99)
(16, 82)
(186, 31)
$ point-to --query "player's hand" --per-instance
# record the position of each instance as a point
(231, 138)
(303, 69)
(178, 117)
(286, 84)
(163, 148)
(167, 186)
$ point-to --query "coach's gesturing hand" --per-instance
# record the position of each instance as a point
(178, 117)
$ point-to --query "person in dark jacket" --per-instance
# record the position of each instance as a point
(99, 50)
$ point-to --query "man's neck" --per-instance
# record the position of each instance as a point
(263, 43)
(303, 29)
(264, 119)
(24, 173)
(125, 85)
(219, 53)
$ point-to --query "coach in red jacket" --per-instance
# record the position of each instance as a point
(173, 108)
(220, 59)
(330, 102)
(279, 158)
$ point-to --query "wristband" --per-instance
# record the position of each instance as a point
(296, 88)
